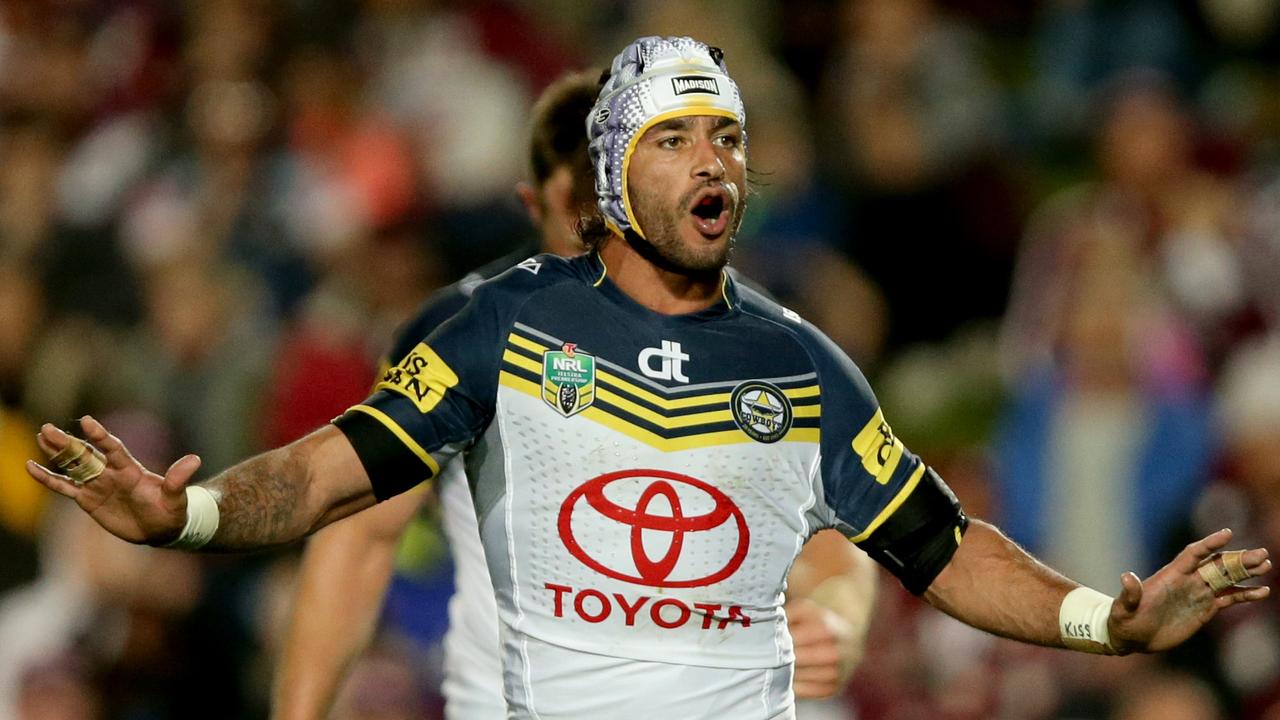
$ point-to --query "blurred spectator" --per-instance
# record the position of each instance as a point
(1260, 248)
(1167, 696)
(464, 112)
(1102, 446)
(386, 684)
(1081, 44)
(1175, 219)
(912, 119)
(30, 153)
(21, 505)
(60, 689)
(112, 605)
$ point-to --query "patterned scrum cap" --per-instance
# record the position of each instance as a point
(652, 80)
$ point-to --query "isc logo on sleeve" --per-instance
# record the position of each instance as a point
(422, 376)
(879, 448)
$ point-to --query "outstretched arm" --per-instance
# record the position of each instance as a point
(270, 499)
(994, 585)
(345, 572)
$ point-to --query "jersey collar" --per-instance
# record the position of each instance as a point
(598, 274)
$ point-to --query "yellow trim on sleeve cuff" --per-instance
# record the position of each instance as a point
(403, 436)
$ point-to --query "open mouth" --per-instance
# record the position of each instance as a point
(711, 213)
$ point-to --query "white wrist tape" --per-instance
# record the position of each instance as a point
(202, 519)
(1082, 621)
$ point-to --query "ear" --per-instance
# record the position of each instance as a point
(529, 198)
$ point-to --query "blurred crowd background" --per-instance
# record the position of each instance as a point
(1048, 231)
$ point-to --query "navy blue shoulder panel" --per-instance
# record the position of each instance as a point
(864, 466)
(439, 397)
(472, 340)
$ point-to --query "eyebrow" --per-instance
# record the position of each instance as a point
(724, 122)
(683, 124)
(679, 123)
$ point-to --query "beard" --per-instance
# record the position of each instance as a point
(662, 243)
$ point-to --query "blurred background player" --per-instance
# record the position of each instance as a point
(347, 567)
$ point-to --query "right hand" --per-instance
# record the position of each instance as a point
(826, 652)
(127, 500)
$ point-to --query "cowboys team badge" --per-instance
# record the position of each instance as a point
(568, 379)
(761, 410)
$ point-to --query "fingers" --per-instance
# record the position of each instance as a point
(51, 439)
(1257, 559)
(1232, 596)
(816, 682)
(813, 690)
(118, 456)
(1130, 592)
(1193, 555)
(1201, 549)
(60, 484)
(180, 473)
(820, 659)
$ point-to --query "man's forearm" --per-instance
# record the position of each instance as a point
(261, 501)
(994, 585)
(278, 497)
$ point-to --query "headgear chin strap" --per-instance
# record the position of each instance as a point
(653, 79)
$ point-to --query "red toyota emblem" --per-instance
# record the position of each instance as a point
(718, 527)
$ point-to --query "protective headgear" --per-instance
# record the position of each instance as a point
(652, 80)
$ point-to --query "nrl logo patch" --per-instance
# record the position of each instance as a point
(568, 379)
(761, 410)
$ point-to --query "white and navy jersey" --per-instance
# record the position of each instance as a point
(643, 482)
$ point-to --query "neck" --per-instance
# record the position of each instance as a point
(656, 287)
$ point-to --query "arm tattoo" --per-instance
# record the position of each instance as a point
(262, 501)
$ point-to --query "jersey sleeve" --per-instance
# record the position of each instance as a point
(434, 397)
(880, 494)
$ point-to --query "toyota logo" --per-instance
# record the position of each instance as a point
(637, 525)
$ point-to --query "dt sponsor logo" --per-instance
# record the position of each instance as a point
(671, 362)
(655, 528)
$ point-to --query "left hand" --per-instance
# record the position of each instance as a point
(1176, 602)
(825, 649)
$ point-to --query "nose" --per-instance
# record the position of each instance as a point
(708, 165)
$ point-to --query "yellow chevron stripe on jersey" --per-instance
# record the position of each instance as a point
(604, 376)
(893, 505)
(806, 411)
(802, 392)
(676, 421)
(879, 448)
(523, 362)
(648, 437)
(692, 401)
(527, 344)
(403, 436)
